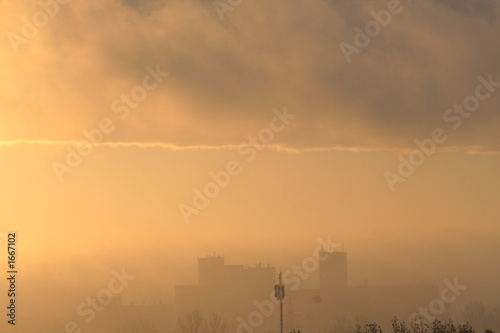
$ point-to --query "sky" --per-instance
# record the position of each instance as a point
(372, 147)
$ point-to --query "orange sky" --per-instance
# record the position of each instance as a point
(321, 174)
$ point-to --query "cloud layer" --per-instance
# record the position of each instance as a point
(227, 76)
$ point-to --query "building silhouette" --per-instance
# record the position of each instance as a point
(237, 292)
(229, 290)
(333, 272)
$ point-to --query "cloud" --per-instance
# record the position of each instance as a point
(172, 147)
(487, 9)
(145, 6)
(226, 77)
(470, 150)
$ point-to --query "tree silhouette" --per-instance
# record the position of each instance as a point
(368, 328)
(215, 324)
(341, 325)
(477, 314)
(419, 326)
(400, 327)
(191, 322)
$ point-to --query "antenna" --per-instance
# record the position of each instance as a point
(279, 294)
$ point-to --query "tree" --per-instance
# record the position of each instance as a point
(368, 328)
(341, 325)
(466, 328)
(215, 324)
(399, 327)
(191, 322)
(419, 326)
(440, 327)
(477, 314)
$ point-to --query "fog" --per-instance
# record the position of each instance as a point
(162, 162)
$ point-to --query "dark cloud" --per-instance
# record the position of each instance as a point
(487, 9)
(224, 82)
(145, 6)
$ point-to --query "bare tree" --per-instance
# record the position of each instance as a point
(443, 327)
(341, 325)
(477, 315)
(368, 328)
(399, 326)
(466, 328)
(191, 322)
(215, 324)
(419, 326)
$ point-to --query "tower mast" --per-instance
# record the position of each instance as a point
(279, 294)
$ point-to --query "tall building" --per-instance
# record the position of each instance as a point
(245, 294)
(210, 271)
(214, 273)
(229, 290)
(333, 272)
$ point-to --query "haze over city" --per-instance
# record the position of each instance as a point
(139, 137)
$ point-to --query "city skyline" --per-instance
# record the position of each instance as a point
(139, 135)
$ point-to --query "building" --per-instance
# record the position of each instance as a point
(333, 272)
(229, 290)
(245, 294)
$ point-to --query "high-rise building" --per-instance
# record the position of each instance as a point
(214, 273)
(333, 272)
(210, 271)
(228, 290)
